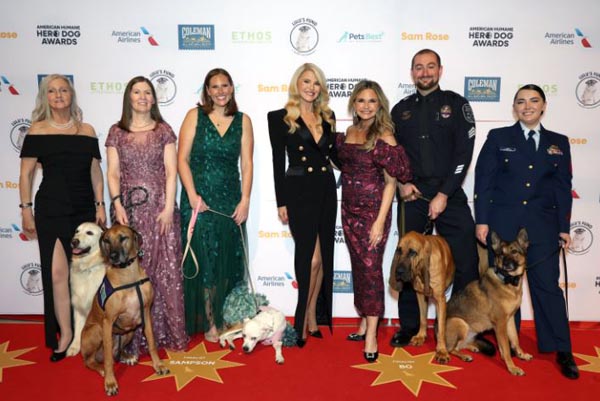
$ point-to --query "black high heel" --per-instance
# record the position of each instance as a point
(356, 337)
(316, 334)
(371, 356)
(58, 356)
(301, 342)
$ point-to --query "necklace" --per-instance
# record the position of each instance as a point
(132, 125)
(56, 125)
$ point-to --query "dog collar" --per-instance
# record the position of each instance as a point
(128, 262)
(507, 278)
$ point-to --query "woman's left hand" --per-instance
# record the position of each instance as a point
(376, 234)
(101, 216)
(240, 213)
(165, 220)
(566, 240)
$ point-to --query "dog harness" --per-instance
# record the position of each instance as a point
(106, 290)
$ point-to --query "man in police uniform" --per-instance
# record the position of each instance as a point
(437, 129)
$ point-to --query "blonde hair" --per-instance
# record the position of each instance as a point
(383, 121)
(320, 105)
(42, 108)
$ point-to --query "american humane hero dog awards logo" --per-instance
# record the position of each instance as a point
(61, 35)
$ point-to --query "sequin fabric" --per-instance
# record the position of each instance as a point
(143, 183)
(217, 240)
(362, 189)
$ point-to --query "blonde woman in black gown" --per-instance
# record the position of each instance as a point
(71, 192)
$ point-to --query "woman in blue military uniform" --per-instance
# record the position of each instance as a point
(523, 179)
(306, 192)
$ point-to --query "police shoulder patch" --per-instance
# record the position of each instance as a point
(468, 113)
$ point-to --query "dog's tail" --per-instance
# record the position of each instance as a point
(485, 347)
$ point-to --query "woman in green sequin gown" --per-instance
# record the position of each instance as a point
(214, 136)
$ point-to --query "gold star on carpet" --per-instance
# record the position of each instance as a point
(411, 370)
(8, 358)
(186, 366)
(594, 361)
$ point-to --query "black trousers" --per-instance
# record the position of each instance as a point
(457, 227)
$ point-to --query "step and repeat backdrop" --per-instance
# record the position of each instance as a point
(487, 52)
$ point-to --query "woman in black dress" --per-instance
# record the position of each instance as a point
(306, 193)
(71, 192)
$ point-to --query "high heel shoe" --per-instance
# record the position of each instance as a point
(356, 337)
(58, 356)
(301, 342)
(371, 356)
(316, 333)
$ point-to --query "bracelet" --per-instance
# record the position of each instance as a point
(99, 203)
(25, 205)
(114, 198)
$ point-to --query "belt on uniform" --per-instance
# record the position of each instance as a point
(432, 181)
(301, 170)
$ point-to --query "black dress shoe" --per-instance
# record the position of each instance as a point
(356, 337)
(371, 356)
(401, 338)
(301, 342)
(567, 365)
(58, 356)
(316, 334)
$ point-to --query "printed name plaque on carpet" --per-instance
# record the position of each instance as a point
(411, 370)
(197, 362)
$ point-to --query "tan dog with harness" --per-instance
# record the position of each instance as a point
(426, 262)
(122, 303)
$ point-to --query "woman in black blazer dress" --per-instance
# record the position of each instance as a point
(306, 192)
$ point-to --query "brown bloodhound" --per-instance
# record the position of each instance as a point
(426, 262)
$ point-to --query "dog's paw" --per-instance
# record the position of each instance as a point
(280, 361)
(162, 370)
(516, 371)
(111, 387)
(442, 357)
(417, 340)
(128, 359)
(524, 356)
(73, 349)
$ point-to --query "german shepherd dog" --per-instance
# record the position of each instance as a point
(122, 303)
(426, 262)
(491, 302)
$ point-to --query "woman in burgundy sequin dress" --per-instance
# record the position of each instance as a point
(371, 163)
(142, 180)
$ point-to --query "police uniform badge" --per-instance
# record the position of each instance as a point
(446, 111)
(554, 150)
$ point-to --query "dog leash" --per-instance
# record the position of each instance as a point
(428, 226)
(188, 248)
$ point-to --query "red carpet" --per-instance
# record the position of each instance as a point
(322, 370)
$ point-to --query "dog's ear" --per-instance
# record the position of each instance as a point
(496, 243)
(396, 284)
(104, 244)
(523, 238)
(137, 238)
(426, 262)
